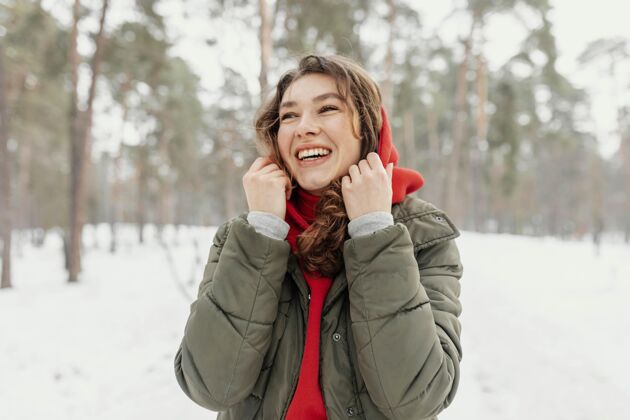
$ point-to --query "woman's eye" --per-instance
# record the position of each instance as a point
(322, 109)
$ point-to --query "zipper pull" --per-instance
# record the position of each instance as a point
(309, 296)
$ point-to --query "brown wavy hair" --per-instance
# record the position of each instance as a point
(320, 246)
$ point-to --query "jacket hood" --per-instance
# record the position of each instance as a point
(404, 180)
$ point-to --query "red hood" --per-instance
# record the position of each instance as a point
(404, 181)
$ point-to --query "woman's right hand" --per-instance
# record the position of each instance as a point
(267, 187)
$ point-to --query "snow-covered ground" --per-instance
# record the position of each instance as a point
(545, 330)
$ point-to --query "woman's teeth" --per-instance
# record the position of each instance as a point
(312, 154)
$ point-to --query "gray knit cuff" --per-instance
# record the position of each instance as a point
(268, 224)
(369, 223)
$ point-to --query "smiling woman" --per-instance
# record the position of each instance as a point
(319, 105)
(337, 294)
(316, 122)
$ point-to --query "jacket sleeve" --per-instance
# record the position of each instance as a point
(404, 309)
(229, 327)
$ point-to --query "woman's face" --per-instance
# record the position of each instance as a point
(314, 120)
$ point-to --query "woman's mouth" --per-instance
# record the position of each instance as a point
(314, 160)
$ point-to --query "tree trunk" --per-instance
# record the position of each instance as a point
(81, 124)
(164, 196)
(474, 193)
(408, 136)
(624, 154)
(73, 259)
(23, 216)
(452, 187)
(625, 170)
(265, 48)
(228, 191)
(432, 170)
(24, 195)
(481, 85)
(5, 179)
(114, 213)
(116, 207)
(142, 181)
(597, 199)
(386, 85)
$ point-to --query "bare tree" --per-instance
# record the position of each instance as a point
(386, 85)
(5, 179)
(80, 141)
(615, 51)
(458, 136)
(266, 47)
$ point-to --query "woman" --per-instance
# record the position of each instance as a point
(336, 295)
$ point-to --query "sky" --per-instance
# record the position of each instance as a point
(576, 23)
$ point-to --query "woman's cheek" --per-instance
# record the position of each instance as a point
(284, 146)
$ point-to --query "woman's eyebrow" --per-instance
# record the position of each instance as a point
(318, 98)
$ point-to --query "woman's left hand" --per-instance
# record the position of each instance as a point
(368, 187)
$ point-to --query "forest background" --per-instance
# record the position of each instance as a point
(108, 116)
(126, 127)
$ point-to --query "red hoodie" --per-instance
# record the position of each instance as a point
(307, 402)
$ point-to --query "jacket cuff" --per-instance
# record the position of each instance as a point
(268, 224)
(369, 223)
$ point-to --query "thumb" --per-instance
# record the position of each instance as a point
(390, 170)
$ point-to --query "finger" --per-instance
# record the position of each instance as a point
(270, 167)
(259, 163)
(375, 161)
(276, 173)
(288, 187)
(354, 172)
(346, 181)
(390, 170)
(364, 167)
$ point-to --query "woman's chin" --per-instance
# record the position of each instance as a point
(315, 187)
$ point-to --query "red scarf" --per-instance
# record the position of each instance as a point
(307, 402)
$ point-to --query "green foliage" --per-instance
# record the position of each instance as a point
(152, 86)
(199, 153)
(180, 118)
(504, 139)
(36, 75)
(326, 26)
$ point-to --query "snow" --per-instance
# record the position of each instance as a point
(545, 331)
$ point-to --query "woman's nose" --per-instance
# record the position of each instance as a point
(307, 125)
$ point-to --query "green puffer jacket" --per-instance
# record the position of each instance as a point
(390, 334)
